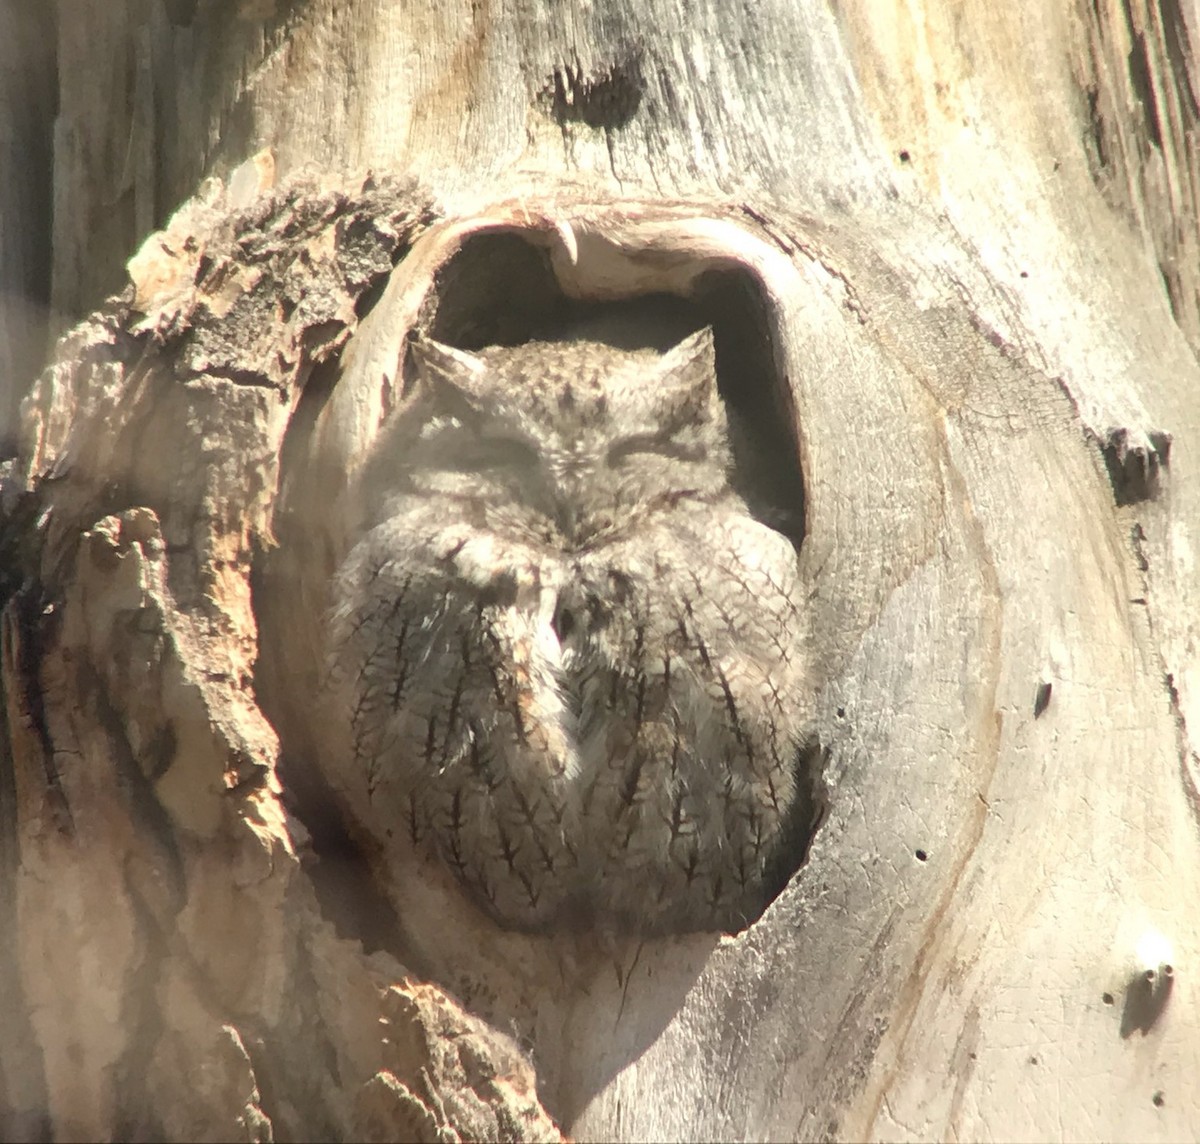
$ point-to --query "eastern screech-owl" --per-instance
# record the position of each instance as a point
(568, 649)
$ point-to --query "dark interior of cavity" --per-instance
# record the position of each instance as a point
(500, 289)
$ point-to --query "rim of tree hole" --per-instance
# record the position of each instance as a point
(519, 273)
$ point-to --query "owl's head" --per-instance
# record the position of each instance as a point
(582, 435)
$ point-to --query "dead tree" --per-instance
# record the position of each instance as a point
(953, 252)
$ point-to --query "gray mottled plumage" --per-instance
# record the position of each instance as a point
(567, 646)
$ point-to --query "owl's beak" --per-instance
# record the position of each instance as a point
(566, 518)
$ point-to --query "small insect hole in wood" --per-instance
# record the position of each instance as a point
(1042, 700)
(1136, 466)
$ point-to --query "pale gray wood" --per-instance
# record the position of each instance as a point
(26, 114)
(978, 224)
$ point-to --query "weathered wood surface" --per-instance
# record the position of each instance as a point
(977, 233)
(26, 145)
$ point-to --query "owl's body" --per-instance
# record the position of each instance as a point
(568, 647)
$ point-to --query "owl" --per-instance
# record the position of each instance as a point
(565, 652)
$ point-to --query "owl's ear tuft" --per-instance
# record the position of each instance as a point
(686, 376)
(697, 350)
(442, 361)
(442, 371)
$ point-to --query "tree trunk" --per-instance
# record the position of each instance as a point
(949, 256)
